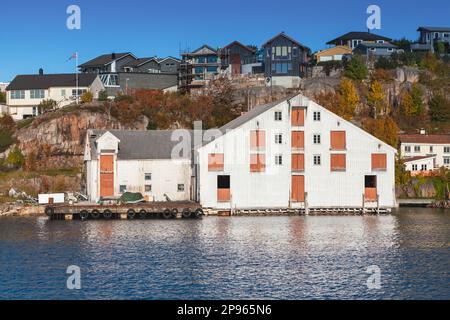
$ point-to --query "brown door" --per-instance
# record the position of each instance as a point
(298, 189)
(106, 176)
(235, 64)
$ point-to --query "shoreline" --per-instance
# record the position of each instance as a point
(13, 210)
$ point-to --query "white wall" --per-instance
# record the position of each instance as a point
(272, 188)
(438, 150)
(287, 82)
(166, 175)
(429, 162)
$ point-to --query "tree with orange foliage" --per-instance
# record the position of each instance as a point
(348, 99)
(385, 129)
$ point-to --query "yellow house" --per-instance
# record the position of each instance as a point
(332, 54)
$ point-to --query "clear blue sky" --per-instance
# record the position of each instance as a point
(33, 34)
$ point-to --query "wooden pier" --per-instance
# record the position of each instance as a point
(163, 210)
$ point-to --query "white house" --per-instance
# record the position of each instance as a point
(421, 145)
(135, 161)
(420, 164)
(292, 152)
(26, 92)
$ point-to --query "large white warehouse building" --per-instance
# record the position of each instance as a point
(288, 154)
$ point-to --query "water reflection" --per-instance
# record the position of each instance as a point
(229, 258)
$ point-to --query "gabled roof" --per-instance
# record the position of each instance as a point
(425, 138)
(160, 60)
(412, 159)
(282, 34)
(106, 59)
(237, 43)
(139, 62)
(356, 35)
(205, 49)
(36, 81)
(334, 50)
(434, 29)
(139, 145)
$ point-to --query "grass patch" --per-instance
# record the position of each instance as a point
(19, 174)
(25, 123)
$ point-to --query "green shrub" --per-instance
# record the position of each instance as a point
(356, 69)
(87, 97)
(124, 98)
(6, 139)
(386, 63)
(47, 105)
(103, 96)
(15, 158)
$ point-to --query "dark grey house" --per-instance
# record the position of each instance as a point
(107, 63)
(124, 72)
(373, 49)
(354, 38)
(285, 61)
(237, 58)
(430, 37)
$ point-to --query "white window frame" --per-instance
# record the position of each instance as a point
(279, 138)
(317, 116)
(317, 139)
(317, 160)
(279, 160)
(278, 115)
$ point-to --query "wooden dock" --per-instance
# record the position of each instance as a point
(163, 210)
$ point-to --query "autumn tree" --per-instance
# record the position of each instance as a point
(417, 98)
(385, 129)
(348, 99)
(376, 99)
(407, 106)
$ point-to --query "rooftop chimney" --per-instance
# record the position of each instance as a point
(41, 72)
(113, 56)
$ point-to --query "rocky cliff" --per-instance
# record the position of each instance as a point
(58, 139)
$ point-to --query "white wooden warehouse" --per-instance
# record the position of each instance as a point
(286, 154)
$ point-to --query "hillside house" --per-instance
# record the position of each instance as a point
(285, 61)
(26, 92)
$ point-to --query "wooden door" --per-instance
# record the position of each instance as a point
(106, 176)
(298, 189)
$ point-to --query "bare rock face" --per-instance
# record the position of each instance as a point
(60, 140)
(407, 74)
(312, 87)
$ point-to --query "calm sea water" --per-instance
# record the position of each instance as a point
(229, 258)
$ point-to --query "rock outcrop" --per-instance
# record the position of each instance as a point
(59, 138)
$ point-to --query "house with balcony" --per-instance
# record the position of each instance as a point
(199, 66)
(354, 39)
(26, 92)
(124, 72)
(285, 61)
(430, 37)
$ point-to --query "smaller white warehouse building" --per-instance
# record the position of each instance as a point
(136, 161)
